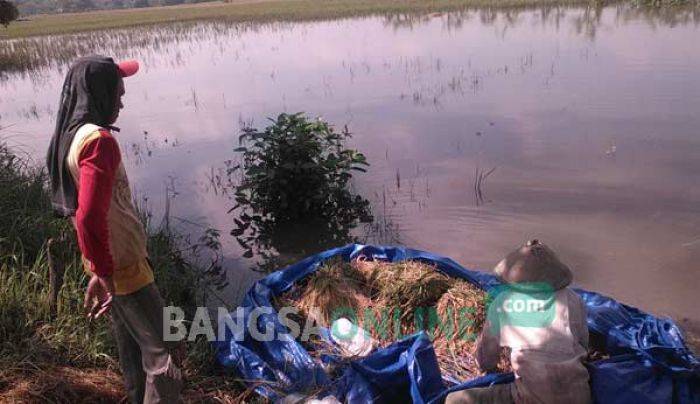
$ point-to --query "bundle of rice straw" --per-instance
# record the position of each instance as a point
(462, 309)
(405, 285)
(336, 285)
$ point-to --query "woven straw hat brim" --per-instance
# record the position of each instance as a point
(534, 263)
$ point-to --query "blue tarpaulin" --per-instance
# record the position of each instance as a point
(649, 361)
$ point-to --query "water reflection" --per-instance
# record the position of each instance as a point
(29, 57)
(589, 115)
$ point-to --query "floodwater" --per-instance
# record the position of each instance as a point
(587, 120)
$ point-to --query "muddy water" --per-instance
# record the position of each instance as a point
(587, 121)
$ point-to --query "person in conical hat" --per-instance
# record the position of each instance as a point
(543, 322)
(534, 262)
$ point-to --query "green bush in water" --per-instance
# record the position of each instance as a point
(294, 191)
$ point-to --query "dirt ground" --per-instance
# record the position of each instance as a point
(60, 384)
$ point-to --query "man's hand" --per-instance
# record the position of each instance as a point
(487, 349)
(98, 296)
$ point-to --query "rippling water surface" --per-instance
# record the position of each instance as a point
(587, 120)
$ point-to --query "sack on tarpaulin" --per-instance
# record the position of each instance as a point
(649, 361)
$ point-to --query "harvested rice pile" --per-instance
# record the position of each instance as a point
(463, 307)
(386, 298)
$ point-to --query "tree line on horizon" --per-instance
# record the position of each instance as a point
(27, 7)
(8, 12)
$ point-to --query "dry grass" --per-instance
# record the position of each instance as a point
(220, 390)
(408, 284)
(385, 298)
(31, 383)
(334, 287)
(28, 383)
(463, 298)
(463, 308)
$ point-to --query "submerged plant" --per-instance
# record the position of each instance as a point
(294, 193)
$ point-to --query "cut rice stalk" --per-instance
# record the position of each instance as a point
(331, 290)
(384, 298)
(463, 306)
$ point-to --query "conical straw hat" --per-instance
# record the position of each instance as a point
(534, 262)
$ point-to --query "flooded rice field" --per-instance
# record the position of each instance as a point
(577, 126)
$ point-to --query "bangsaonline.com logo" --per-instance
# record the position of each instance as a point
(520, 305)
(531, 305)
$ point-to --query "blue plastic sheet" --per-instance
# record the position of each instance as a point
(649, 361)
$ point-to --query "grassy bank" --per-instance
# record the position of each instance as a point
(49, 352)
(246, 11)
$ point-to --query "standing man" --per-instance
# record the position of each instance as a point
(89, 184)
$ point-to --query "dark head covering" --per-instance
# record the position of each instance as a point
(534, 262)
(89, 96)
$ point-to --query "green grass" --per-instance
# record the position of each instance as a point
(35, 337)
(28, 331)
(25, 216)
(247, 11)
